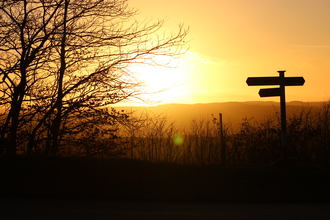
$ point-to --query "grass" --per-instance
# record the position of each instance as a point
(132, 180)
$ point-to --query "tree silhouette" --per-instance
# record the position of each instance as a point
(59, 58)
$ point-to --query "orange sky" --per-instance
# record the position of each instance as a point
(236, 39)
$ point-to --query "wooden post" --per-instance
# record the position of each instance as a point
(283, 116)
(222, 145)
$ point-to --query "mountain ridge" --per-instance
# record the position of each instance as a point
(232, 112)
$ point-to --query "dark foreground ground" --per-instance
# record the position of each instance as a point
(77, 188)
(41, 209)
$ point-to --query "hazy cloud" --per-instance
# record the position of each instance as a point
(302, 65)
(194, 57)
(313, 46)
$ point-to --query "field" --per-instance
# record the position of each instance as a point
(142, 181)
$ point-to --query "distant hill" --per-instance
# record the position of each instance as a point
(232, 112)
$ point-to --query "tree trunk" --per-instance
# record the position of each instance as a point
(3, 137)
(16, 106)
(59, 100)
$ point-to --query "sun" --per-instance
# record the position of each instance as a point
(163, 82)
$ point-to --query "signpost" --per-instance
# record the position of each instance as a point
(280, 91)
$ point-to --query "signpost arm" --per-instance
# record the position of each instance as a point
(283, 116)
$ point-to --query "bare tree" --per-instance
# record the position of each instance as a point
(59, 57)
(24, 47)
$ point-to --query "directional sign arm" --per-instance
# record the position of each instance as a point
(262, 81)
(271, 81)
(269, 92)
(294, 81)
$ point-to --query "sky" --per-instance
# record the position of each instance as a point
(232, 40)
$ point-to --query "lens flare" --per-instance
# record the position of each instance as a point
(178, 139)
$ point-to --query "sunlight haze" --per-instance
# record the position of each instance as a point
(233, 40)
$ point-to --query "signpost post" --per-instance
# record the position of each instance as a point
(283, 117)
(280, 91)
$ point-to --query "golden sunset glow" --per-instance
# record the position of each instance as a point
(233, 40)
(163, 81)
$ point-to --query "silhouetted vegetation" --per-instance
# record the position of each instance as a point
(62, 62)
(149, 137)
(251, 142)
